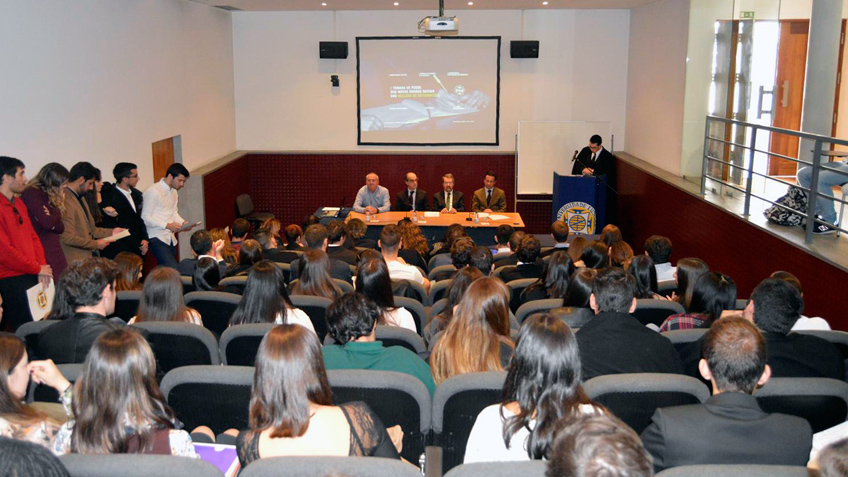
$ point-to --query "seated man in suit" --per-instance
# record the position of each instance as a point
(336, 238)
(504, 232)
(411, 198)
(372, 198)
(316, 239)
(528, 265)
(514, 242)
(730, 428)
(448, 201)
(81, 236)
(356, 230)
(490, 198)
(659, 249)
(559, 232)
(127, 202)
(202, 246)
(593, 160)
(614, 342)
(271, 249)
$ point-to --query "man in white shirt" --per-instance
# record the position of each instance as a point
(161, 216)
(390, 243)
(659, 249)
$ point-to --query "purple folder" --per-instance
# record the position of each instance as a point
(221, 456)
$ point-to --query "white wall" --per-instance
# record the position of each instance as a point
(101, 80)
(284, 101)
(655, 82)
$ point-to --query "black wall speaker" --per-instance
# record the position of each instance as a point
(524, 49)
(334, 49)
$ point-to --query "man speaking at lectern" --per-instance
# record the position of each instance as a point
(593, 160)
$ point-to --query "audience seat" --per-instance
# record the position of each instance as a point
(44, 393)
(497, 272)
(536, 306)
(343, 285)
(821, 401)
(741, 303)
(397, 398)
(178, 344)
(136, 465)
(419, 313)
(394, 336)
(653, 311)
(500, 256)
(312, 466)
(410, 289)
(240, 343)
(633, 398)
(214, 396)
(441, 273)
(736, 470)
(515, 289)
(666, 287)
(438, 307)
(126, 304)
(215, 308)
(838, 338)
(573, 316)
(244, 207)
(438, 290)
(286, 267)
(532, 468)
(316, 308)
(456, 404)
(29, 333)
(237, 282)
(681, 338)
(188, 284)
(439, 260)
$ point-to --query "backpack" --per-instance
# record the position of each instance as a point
(795, 199)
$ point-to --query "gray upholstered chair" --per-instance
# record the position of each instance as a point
(536, 306)
(44, 393)
(215, 308)
(650, 311)
(240, 343)
(214, 396)
(735, 470)
(136, 465)
(531, 468)
(823, 402)
(177, 344)
(312, 466)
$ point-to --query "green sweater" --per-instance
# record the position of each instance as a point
(372, 355)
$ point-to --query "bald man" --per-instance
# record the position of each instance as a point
(372, 197)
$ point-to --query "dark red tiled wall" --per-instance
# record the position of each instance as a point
(220, 189)
(648, 206)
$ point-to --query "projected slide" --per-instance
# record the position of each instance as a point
(428, 91)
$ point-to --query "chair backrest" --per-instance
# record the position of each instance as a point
(499, 270)
(438, 260)
(286, 267)
(126, 304)
(188, 284)
(215, 308)
(396, 398)
(411, 289)
(240, 282)
(530, 468)
(44, 393)
(681, 338)
(177, 344)
(438, 290)
(536, 306)
(501, 255)
(735, 470)
(456, 404)
(441, 273)
(821, 401)
(666, 287)
(438, 307)
(244, 204)
(214, 396)
(653, 311)
(312, 466)
(316, 308)
(419, 313)
(837, 338)
(633, 398)
(30, 330)
(345, 286)
(136, 465)
(741, 303)
(515, 289)
(573, 317)
(240, 343)
(393, 336)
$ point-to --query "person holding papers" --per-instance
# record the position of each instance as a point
(449, 201)
(161, 217)
(127, 202)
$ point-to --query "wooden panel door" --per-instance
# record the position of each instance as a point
(163, 157)
(789, 97)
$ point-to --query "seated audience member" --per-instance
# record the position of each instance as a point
(203, 245)
(614, 342)
(803, 323)
(559, 232)
(228, 253)
(271, 250)
(599, 444)
(477, 337)
(528, 265)
(610, 235)
(207, 275)
(454, 232)
(453, 295)
(130, 416)
(336, 238)
(620, 254)
(412, 197)
(129, 271)
(316, 239)
(274, 226)
(19, 458)
(730, 427)
(162, 299)
(310, 220)
(514, 242)
(460, 251)
(315, 279)
(357, 229)
(714, 293)
(292, 411)
(504, 232)
(293, 234)
(372, 198)
(659, 249)
(390, 243)
(580, 288)
(88, 288)
(266, 300)
(642, 269)
(415, 250)
(832, 461)
(489, 198)
(18, 420)
(239, 231)
(689, 270)
(595, 255)
(250, 253)
(774, 307)
(553, 283)
(373, 280)
(481, 259)
(352, 322)
(575, 249)
(542, 385)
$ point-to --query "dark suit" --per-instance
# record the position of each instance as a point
(412, 257)
(127, 218)
(70, 340)
(402, 201)
(556, 248)
(497, 204)
(458, 201)
(279, 255)
(186, 267)
(366, 243)
(602, 164)
(524, 270)
(338, 269)
(512, 259)
(730, 428)
(343, 254)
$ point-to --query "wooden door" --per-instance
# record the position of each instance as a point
(789, 93)
(163, 157)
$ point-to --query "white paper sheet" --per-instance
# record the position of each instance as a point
(497, 217)
(112, 238)
(431, 214)
(41, 300)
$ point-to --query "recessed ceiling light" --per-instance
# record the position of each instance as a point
(396, 3)
(323, 4)
(471, 3)
(544, 3)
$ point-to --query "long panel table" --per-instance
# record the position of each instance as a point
(433, 228)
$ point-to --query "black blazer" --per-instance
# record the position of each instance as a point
(70, 340)
(338, 269)
(127, 218)
(186, 267)
(730, 428)
(342, 254)
(280, 255)
(525, 270)
(602, 164)
(402, 201)
(458, 201)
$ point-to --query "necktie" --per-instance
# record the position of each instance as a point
(450, 200)
(489, 197)
(412, 199)
(593, 157)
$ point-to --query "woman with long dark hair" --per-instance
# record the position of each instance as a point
(580, 288)
(642, 268)
(314, 279)
(207, 275)
(117, 405)
(291, 406)
(373, 281)
(45, 203)
(162, 299)
(265, 299)
(249, 254)
(689, 270)
(713, 294)
(453, 294)
(553, 283)
(595, 255)
(543, 384)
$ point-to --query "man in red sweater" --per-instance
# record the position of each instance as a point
(22, 263)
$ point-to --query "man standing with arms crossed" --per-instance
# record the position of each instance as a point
(161, 217)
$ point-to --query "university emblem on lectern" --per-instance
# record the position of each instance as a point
(579, 216)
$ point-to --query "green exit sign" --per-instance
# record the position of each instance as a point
(746, 15)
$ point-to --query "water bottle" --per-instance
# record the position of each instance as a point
(414, 216)
(367, 216)
(477, 218)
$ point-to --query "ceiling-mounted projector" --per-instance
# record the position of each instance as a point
(439, 26)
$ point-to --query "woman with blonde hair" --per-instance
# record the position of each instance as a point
(314, 276)
(129, 266)
(274, 226)
(477, 338)
(620, 254)
(45, 203)
(162, 299)
(412, 239)
(228, 253)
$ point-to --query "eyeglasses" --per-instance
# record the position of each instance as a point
(20, 219)
(133, 176)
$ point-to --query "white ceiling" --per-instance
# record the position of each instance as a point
(275, 5)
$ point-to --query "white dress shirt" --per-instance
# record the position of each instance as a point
(160, 209)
